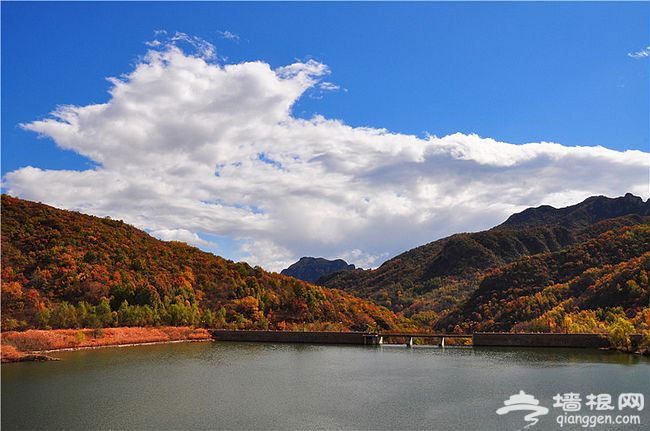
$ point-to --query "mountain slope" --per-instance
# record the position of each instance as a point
(310, 269)
(442, 274)
(608, 271)
(65, 269)
(591, 210)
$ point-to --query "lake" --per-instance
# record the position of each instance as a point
(288, 386)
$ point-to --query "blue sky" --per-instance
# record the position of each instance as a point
(514, 72)
(518, 72)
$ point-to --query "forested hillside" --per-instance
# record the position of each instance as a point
(433, 283)
(539, 292)
(544, 269)
(62, 269)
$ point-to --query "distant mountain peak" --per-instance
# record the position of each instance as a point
(310, 269)
(591, 210)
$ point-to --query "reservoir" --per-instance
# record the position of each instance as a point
(230, 385)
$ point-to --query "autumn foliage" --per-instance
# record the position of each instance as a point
(607, 273)
(582, 268)
(579, 269)
(62, 269)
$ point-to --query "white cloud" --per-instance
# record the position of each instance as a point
(268, 253)
(184, 145)
(640, 54)
(201, 47)
(361, 259)
(182, 235)
(329, 86)
(205, 49)
(229, 35)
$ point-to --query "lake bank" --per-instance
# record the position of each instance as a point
(32, 344)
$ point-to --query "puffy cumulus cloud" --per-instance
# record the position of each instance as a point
(267, 253)
(186, 145)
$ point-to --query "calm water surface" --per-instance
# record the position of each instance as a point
(284, 386)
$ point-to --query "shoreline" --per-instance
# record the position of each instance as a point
(43, 355)
(34, 345)
(103, 346)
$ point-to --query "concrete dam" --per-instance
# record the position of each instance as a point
(479, 339)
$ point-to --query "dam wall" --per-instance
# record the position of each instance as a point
(497, 339)
(479, 339)
(311, 337)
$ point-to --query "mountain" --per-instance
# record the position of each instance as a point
(592, 210)
(63, 269)
(583, 268)
(310, 269)
(432, 281)
(608, 271)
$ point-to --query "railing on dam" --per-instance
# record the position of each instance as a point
(321, 337)
(314, 337)
(479, 339)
